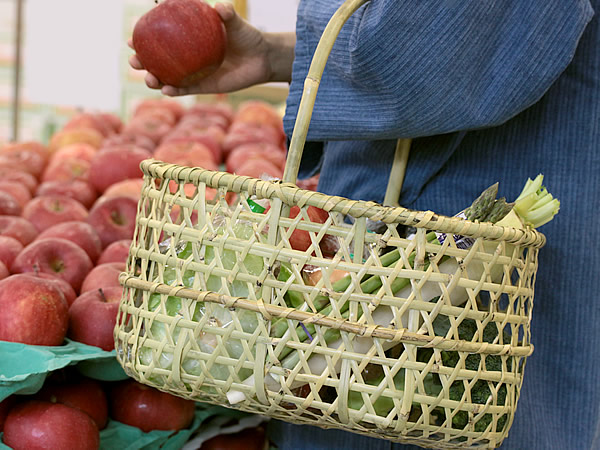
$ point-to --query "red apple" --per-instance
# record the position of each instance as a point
(136, 140)
(161, 102)
(118, 251)
(259, 112)
(93, 316)
(4, 272)
(112, 120)
(44, 425)
(114, 164)
(32, 311)
(259, 168)
(131, 187)
(151, 126)
(243, 153)
(113, 218)
(35, 146)
(24, 160)
(208, 138)
(192, 154)
(74, 135)
(67, 169)
(47, 210)
(80, 190)
(9, 249)
(180, 41)
(248, 133)
(89, 120)
(20, 192)
(78, 150)
(300, 239)
(80, 233)
(5, 407)
(19, 177)
(9, 206)
(19, 228)
(63, 286)
(55, 256)
(103, 276)
(84, 394)
(163, 114)
(149, 409)
(201, 121)
(222, 109)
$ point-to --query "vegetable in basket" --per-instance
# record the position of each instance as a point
(211, 314)
(534, 207)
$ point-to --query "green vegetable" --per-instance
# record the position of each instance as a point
(481, 390)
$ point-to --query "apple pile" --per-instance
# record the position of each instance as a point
(70, 410)
(67, 210)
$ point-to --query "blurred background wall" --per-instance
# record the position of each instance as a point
(73, 55)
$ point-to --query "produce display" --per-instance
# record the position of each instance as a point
(67, 217)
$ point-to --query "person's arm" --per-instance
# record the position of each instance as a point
(252, 57)
(416, 68)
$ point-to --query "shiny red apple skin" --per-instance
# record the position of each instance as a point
(113, 218)
(93, 316)
(103, 276)
(19, 228)
(56, 256)
(114, 164)
(180, 41)
(63, 286)
(80, 233)
(44, 425)
(32, 311)
(149, 409)
(80, 190)
(118, 251)
(83, 393)
(47, 210)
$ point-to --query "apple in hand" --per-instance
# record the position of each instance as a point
(114, 164)
(55, 256)
(84, 394)
(19, 228)
(103, 276)
(180, 41)
(144, 407)
(80, 233)
(44, 425)
(113, 219)
(32, 311)
(118, 251)
(80, 190)
(93, 316)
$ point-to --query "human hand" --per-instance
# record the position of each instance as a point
(252, 57)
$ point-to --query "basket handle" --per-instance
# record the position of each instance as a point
(307, 103)
(311, 86)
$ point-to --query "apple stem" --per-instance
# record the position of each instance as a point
(102, 295)
(36, 269)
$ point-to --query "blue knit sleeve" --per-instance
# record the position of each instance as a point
(410, 68)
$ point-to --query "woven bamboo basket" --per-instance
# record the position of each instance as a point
(422, 342)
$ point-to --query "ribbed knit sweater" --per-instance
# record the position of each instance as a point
(489, 91)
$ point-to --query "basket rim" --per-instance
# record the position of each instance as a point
(291, 195)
